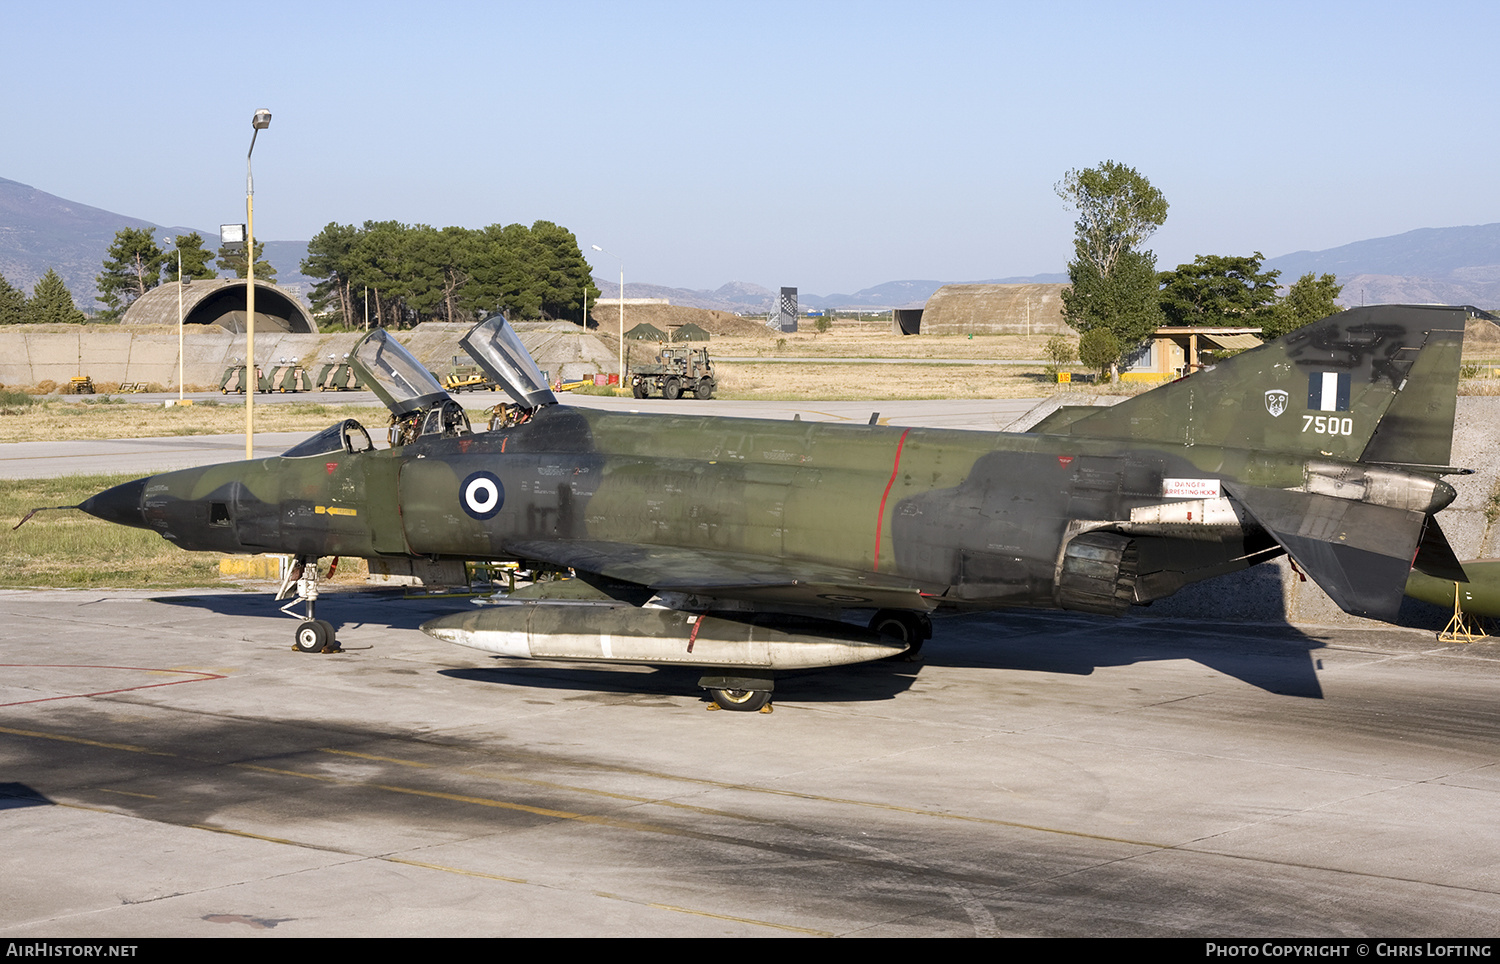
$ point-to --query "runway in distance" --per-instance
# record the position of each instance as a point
(744, 546)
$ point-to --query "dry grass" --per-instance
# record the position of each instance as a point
(102, 417)
(859, 340)
(68, 549)
(855, 382)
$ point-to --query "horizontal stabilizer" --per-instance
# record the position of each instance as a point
(1357, 552)
(1436, 557)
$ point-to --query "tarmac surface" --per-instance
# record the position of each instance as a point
(173, 768)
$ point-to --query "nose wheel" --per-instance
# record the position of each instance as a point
(313, 635)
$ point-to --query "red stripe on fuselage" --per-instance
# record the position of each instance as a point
(880, 518)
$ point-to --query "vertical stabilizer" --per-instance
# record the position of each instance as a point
(1376, 383)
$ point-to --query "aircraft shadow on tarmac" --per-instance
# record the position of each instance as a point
(14, 796)
(1267, 653)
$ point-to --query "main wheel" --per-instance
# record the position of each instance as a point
(312, 636)
(745, 701)
(672, 390)
(909, 627)
(705, 389)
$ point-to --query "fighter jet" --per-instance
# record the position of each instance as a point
(745, 547)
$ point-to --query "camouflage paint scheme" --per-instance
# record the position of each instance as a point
(1327, 444)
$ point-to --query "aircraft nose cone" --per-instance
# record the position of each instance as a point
(121, 504)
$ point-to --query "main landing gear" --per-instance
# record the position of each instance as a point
(911, 628)
(745, 694)
(313, 635)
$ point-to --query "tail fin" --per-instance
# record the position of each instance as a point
(1371, 385)
(1374, 384)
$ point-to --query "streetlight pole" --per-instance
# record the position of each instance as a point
(178, 243)
(622, 310)
(259, 122)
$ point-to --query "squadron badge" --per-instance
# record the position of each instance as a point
(1275, 401)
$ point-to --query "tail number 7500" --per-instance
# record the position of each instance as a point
(1327, 425)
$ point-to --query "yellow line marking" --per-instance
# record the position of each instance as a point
(289, 773)
(794, 794)
(611, 822)
(456, 870)
(257, 836)
(379, 759)
(78, 739)
(710, 914)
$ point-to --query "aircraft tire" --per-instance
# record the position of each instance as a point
(312, 636)
(672, 390)
(911, 628)
(743, 701)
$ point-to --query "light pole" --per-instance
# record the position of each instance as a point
(622, 310)
(259, 122)
(177, 243)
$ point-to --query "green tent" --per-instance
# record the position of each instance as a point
(646, 331)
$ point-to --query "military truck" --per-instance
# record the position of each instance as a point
(467, 377)
(676, 372)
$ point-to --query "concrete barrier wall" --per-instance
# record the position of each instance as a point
(30, 354)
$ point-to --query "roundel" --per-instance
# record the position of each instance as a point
(482, 495)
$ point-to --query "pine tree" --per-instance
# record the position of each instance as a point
(12, 304)
(131, 268)
(52, 303)
(195, 259)
(230, 261)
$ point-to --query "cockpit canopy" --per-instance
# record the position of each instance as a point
(394, 374)
(495, 347)
(347, 436)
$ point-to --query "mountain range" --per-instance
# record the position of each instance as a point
(1456, 265)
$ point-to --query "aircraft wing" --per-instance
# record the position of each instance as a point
(730, 575)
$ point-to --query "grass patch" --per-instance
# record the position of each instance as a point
(68, 549)
(52, 420)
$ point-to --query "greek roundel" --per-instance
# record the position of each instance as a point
(482, 495)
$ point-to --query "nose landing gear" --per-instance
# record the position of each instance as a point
(313, 635)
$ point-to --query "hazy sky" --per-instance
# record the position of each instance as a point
(832, 146)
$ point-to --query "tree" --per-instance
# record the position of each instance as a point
(195, 259)
(232, 261)
(328, 257)
(131, 268)
(1060, 351)
(12, 304)
(1099, 350)
(1118, 210)
(1310, 299)
(1125, 303)
(51, 302)
(1113, 285)
(1219, 290)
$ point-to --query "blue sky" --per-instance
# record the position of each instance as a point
(830, 146)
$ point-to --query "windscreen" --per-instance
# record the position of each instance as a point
(495, 347)
(394, 374)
